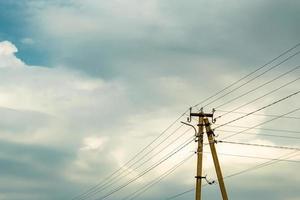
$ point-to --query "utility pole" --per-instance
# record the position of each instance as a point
(203, 121)
(211, 140)
(199, 139)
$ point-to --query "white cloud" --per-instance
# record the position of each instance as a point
(65, 95)
(7, 55)
(48, 90)
(85, 112)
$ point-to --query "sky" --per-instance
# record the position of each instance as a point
(86, 84)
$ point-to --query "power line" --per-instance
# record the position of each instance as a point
(146, 171)
(262, 108)
(261, 165)
(253, 90)
(262, 123)
(157, 180)
(256, 157)
(263, 134)
(105, 180)
(113, 175)
(260, 86)
(114, 181)
(265, 164)
(180, 194)
(259, 145)
(248, 75)
(258, 114)
(260, 97)
(265, 129)
(272, 161)
(252, 79)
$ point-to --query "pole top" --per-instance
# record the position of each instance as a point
(200, 114)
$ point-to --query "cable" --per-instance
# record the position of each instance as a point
(255, 157)
(146, 171)
(259, 114)
(262, 108)
(252, 79)
(263, 134)
(116, 171)
(268, 93)
(259, 145)
(180, 194)
(260, 86)
(157, 180)
(118, 178)
(140, 165)
(108, 178)
(247, 129)
(261, 165)
(264, 164)
(246, 76)
(266, 129)
(162, 133)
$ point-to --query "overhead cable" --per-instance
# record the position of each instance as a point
(248, 75)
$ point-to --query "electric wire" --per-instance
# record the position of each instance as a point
(254, 157)
(265, 129)
(262, 108)
(142, 190)
(248, 75)
(84, 194)
(257, 114)
(163, 132)
(263, 134)
(123, 175)
(260, 86)
(259, 145)
(147, 170)
(262, 123)
(258, 166)
(252, 79)
(180, 194)
(258, 98)
(120, 175)
(116, 172)
(265, 164)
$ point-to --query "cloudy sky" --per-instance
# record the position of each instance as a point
(86, 84)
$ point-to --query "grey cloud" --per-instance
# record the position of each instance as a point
(34, 154)
(30, 169)
(245, 33)
(21, 121)
(189, 40)
(155, 68)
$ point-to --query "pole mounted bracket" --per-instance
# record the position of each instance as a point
(205, 178)
(199, 114)
(213, 119)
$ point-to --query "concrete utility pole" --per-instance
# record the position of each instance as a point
(203, 120)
